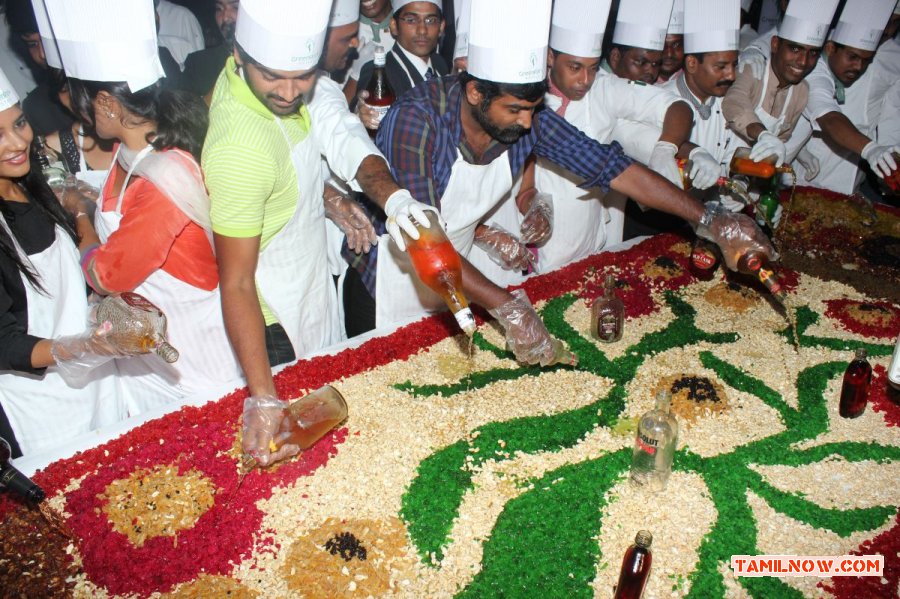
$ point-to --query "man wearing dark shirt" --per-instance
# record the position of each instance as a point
(202, 68)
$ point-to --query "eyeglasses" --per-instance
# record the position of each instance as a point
(415, 21)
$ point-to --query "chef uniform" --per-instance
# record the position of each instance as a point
(642, 24)
(860, 26)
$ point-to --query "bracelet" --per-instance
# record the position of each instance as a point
(80, 214)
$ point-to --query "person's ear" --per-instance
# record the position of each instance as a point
(473, 96)
(690, 64)
(614, 57)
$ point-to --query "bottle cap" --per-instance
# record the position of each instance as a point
(466, 320)
(644, 538)
(861, 353)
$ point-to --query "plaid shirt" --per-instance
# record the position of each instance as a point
(422, 132)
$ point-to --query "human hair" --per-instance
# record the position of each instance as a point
(396, 14)
(42, 197)
(180, 118)
(530, 92)
(20, 16)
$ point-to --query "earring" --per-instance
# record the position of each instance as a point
(110, 115)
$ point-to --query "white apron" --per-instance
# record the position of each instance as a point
(292, 274)
(472, 192)
(43, 410)
(772, 124)
(195, 328)
(95, 179)
(506, 215)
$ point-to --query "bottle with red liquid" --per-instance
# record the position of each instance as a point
(381, 95)
(893, 180)
(440, 268)
(855, 388)
(635, 567)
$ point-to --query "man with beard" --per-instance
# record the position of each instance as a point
(458, 143)
(202, 68)
(764, 111)
(639, 39)
(673, 50)
(841, 109)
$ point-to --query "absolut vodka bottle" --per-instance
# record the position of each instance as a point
(654, 445)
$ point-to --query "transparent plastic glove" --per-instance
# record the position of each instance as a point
(399, 208)
(261, 421)
(350, 218)
(537, 226)
(503, 248)
(705, 169)
(767, 145)
(754, 59)
(77, 355)
(881, 158)
(526, 335)
(662, 160)
(370, 117)
(734, 233)
(810, 164)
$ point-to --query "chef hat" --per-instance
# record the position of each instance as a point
(508, 40)
(107, 40)
(577, 27)
(807, 21)
(8, 95)
(642, 23)
(344, 12)
(51, 52)
(398, 4)
(461, 48)
(711, 25)
(676, 21)
(862, 23)
(746, 4)
(270, 32)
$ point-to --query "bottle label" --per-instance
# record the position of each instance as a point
(466, 319)
(379, 111)
(607, 326)
(647, 444)
(703, 258)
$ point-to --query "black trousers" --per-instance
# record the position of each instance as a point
(359, 305)
(278, 345)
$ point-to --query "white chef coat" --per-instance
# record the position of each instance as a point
(179, 31)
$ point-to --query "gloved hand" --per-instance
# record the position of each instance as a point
(537, 226)
(881, 158)
(526, 334)
(753, 58)
(350, 218)
(262, 419)
(401, 208)
(77, 355)
(734, 233)
(662, 160)
(705, 169)
(503, 248)
(810, 164)
(369, 115)
(768, 144)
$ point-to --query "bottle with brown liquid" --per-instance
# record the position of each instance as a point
(756, 264)
(742, 165)
(635, 567)
(855, 386)
(381, 96)
(684, 168)
(608, 313)
(136, 324)
(440, 268)
(893, 179)
(15, 481)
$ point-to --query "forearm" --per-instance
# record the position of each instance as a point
(86, 232)
(654, 191)
(842, 132)
(480, 290)
(375, 179)
(677, 124)
(753, 131)
(40, 354)
(246, 327)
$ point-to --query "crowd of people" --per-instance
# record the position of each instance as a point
(237, 186)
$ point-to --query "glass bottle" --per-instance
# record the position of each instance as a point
(767, 204)
(654, 445)
(635, 567)
(15, 481)
(136, 324)
(684, 167)
(893, 179)
(381, 96)
(608, 313)
(741, 164)
(757, 264)
(855, 387)
(440, 268)
(50, 165)
(704, 256)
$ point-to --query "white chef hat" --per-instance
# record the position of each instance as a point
(862, 23)
(642, 23)
(398, 4)
(8, 95)
(461, 48)
(711, 25)
(508, 40)
(344, 12)
(273, 35)
(51, 52)
(807, 21)
(676, 21)
(577, 27)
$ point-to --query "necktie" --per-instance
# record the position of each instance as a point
(429, 74)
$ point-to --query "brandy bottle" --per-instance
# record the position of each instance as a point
(742, 165)
(654, 445)
(608, 313)
(635, 567)
(684, 168)
(15, 481)
(135, 324)
(381, 96)
(440, 268)
(855, 386)
(756, 264)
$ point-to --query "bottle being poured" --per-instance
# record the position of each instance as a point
(135, 323)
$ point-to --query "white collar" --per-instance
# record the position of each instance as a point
(421, 65)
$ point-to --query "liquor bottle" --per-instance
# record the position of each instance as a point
(635, 567)
(50, 165)
(756, 264)
(136, 324)
(381, 96)
(654, 445)
(767, 204)
(15, 481)
(855, 387)
(704, 256)
(306, 420)
(440, 268)
(742, 165)
(894, 368)
(684, 167)
(608, 313)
